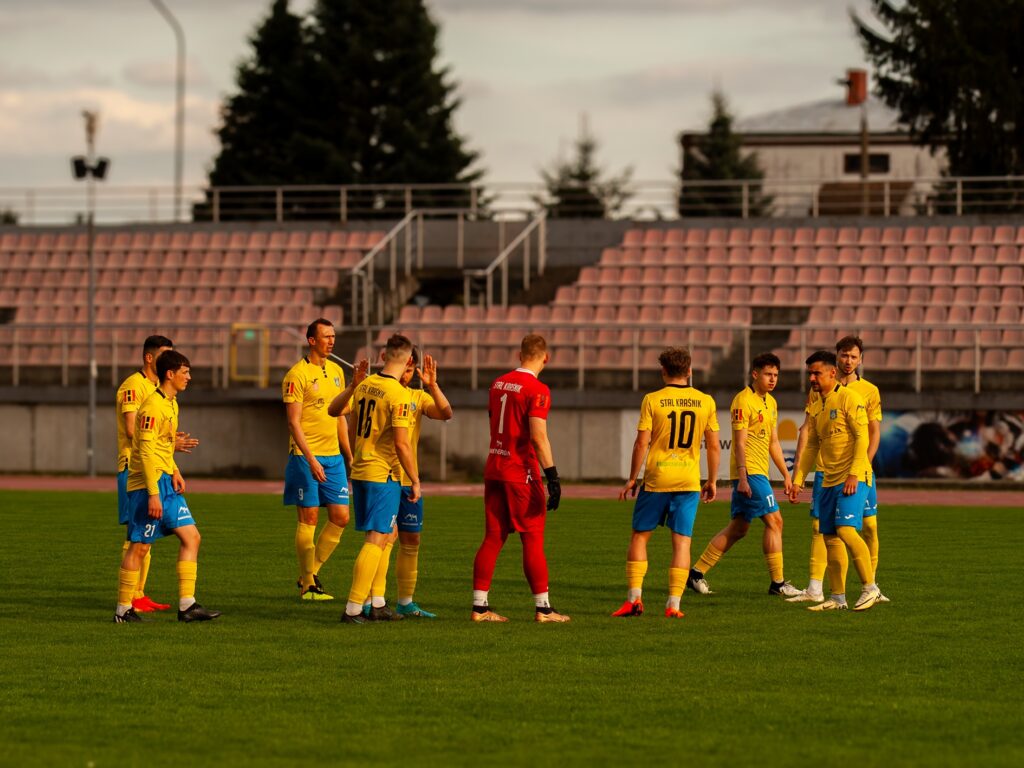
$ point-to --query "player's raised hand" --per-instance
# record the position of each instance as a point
(428, 373)
(184, 442)
(629, 489)
(361, 371)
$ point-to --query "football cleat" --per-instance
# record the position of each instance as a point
(868, 597)
(829, 605)
(316, 582)
(128, 617)
(698, 583)
(315, 593)
(487, 615)
(803, 596)
(413, 611)
(631, 608)
(550, 616)
(783, 588)
(673, 613)
(881, 598)
(357, 619)
(384, 613)
(196, 612)
(144, 604)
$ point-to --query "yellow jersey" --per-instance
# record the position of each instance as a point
(418, 400)
(758, 416)
(130, 395)
(315, 386)
(380, 404)
(677, 416)
(838, 438)
(872, 397)
(156, 425)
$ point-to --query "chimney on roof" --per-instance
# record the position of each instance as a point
(856, 87)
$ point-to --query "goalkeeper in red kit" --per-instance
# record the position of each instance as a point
(518, 405)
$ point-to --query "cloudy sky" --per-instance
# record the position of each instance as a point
(641, 70)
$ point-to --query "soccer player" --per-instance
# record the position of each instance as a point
(155, 487)
(431, 402)
(382, 450)
(517, 406)
(849, 355)
(130, 395)
(838, 442)
(755, 440)
(318, 448)
(672, 422)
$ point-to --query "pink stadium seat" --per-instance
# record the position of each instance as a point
(871, 255)
(633, 237)
(696, 236)
(804, 254)
(589, 276)
(804, 236)
(760, 236)
(937, 254)
(892, 255)
(625, 275)
(964, 294)
(849, 255)
(983, 254)
(1013, 337)
(960, 254)
(653, 237)
(1003, 234)
(586, 294)
(918, 275)
(1008, 314)
(609, 294)
(631, 255)
(653, 256)
(919, 294)
(891, 236)
(716, 274)
(993, 359)
(944, 359)
(912, 315)
(650, 276)
(873, 294)
(850, 276)
(963, 275)
(896, 275)
(1007, 254)
(715, 254)
(738, 236)
(673, 256)
(848, 236)
(742, 255)
(958, 235)
(824, 236)
(782, 236)
(914, 236)
(782, 275)
(987, 275)
(939, 337)
(760, 274)
(983, 313)
(1011, 275)
(675, 236)
(717, 294)
(938, 236)
(869, 236)
(1015, 359)
(915, 254)
(989, 294)
(942, 294)
(717, 236)
(609, 257)
(981, 235)
(761, 254)
(827, 256)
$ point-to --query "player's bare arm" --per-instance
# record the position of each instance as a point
(337, 405)
(801, 444)
(714, 453)
(874, 438)
(779, 460)
(294, 414)
(343, 441)
(403, 447)
(739, 444)
(441, 410)
(636, 461)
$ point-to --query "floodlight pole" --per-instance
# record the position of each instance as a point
(179, 116)
(90, 212)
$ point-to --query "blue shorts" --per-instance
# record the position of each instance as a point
(302, 490)
(123, 510)
(761, 502)
(816, 494)
(837, 509)
(675, 509)
(871, 504)
(410, 515)
(144, 529)
(376, 505)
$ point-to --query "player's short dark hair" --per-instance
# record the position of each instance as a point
(311, 329)
(764, 360)
(415, 355)
(849, 342)
(822, 356)
(171, 360)
(153, 343)
(533, 346)
(675, 361)
(397, 346)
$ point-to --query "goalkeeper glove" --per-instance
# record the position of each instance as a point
(554, 488)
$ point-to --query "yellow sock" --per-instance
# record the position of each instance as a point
(859, 551)
(140, 590)
(363, 572)
(635, 572)
(677, 581)
(304, 552)
(709, 559)
(774, 560)
(837, 564)
(406, 573)
(187, 570)
(870, 535)
(325, 544)
(126, 581)
(380, 578)
(819, 557)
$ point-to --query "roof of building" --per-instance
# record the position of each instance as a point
(826, 116)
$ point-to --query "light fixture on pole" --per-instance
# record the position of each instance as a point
(179, 111)
(91, 168)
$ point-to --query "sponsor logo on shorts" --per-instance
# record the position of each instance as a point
(183, 512)
(409, 517)
(847, 517)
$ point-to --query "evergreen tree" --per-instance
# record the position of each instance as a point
(716, 156)
(954, 70)
(354, 97)
(575, 188)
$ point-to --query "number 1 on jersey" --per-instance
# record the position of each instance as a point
(501, 416)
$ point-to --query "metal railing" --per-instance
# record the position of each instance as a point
(647, 200)
(501, 262)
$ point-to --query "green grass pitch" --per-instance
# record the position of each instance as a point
(933, 678)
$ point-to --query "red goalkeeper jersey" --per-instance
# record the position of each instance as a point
(513, 399)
